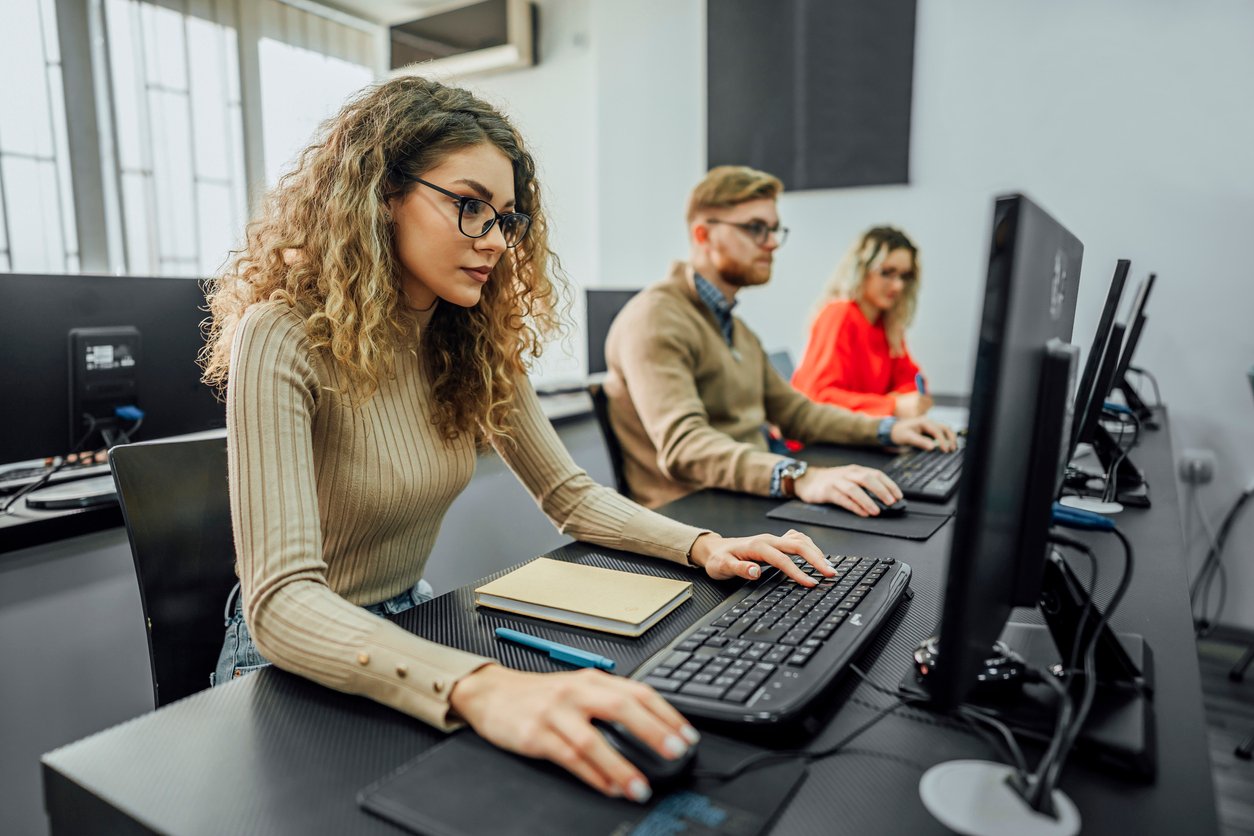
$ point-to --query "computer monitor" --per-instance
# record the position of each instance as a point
(1007, 487)
(1125, 483)
(1136, 326)
(602, 307)
(1089, 423)
(46, 321)
(1097, 348)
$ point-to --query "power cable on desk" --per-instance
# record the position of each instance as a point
(54, 468)
(111, 438)
(1111, 492)
(762, 759)
(1158, 398)
(1048, 772)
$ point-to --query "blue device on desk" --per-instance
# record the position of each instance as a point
(920, 383)
(560, 652)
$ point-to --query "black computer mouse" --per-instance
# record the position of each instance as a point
(657, 770)
(895, 510)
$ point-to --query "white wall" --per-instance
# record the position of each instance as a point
(1131, 121)
(552, 104)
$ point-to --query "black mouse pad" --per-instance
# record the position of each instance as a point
(466, 786)
(912, 525)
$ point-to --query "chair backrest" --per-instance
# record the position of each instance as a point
(601, 407)
(601, 306)
(782, 362)
(178, 515)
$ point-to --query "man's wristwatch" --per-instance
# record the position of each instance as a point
(788, 477)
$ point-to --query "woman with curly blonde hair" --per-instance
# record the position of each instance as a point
(856, 356)
(372, 335)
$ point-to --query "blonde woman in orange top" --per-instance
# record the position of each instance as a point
(857, 356)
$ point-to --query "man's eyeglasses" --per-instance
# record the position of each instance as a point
(758, 231)
(476, 217)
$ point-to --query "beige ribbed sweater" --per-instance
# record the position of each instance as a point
(335, 507)
(688, 409)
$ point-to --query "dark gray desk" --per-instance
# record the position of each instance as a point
(273, 753)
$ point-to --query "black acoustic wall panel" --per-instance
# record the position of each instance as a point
(816, 92)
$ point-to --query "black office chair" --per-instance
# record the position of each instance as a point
(178, 516)
(601, 407)
(781, 361)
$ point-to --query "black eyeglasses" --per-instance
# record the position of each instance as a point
(476, 217)
(758, 231)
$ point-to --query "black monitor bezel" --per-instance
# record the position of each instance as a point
(1136, 325)
(1097, 349)
(985, 578)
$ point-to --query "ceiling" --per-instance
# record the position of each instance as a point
(385, 12)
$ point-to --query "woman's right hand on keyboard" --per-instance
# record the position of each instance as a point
(847, 487)
(743, 557)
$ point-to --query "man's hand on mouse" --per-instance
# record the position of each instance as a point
(847, 487)
(550, 716)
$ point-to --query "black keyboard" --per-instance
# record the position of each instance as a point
(767, 652)
(927, 474)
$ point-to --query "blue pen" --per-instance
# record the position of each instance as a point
(920, 383)
(560, 652)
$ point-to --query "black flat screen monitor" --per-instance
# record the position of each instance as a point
(1097, 349)
(37, 314)
(1135, 325)
(999, 549)
(1087, 424)
(603, 306)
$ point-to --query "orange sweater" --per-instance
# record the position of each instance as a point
(847, 362)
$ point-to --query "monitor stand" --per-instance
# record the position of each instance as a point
(1137, 404)
(976, 798)
(1131, 489)
(1091, 503)
(83, 493)
(1119, 730)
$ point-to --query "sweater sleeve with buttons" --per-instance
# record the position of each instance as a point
(337, 504)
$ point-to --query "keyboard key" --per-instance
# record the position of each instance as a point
(740, 693)
(676, 659)
(665, 686)
(777, 655)
(712, 692)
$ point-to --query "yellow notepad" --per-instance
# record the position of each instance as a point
(585, 596)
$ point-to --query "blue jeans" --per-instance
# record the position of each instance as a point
(239, 654)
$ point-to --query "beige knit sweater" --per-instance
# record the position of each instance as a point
(335, 506)
(688, 409)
